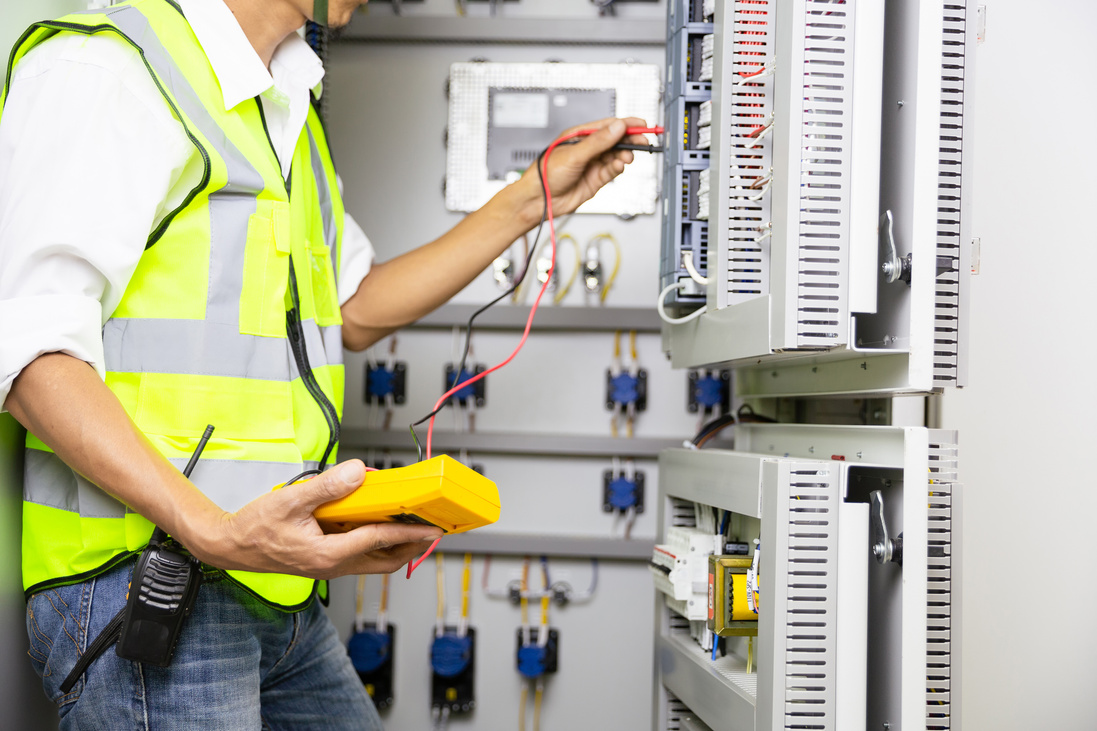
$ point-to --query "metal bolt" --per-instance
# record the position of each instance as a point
(887, 724)
(858, 457)
(901, 103)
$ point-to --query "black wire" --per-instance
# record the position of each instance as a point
(299, 477)
(712, 427)
(746, 413)
(517, 283)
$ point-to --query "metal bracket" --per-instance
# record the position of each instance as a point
(883, 548)
(892, 267)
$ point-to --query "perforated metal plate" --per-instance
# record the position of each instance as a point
(469, 184)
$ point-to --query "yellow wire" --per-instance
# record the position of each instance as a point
(465, 586)
(563, 292)
(525, 587)
(616, 264)
(359, 598)
(632, 344)
(617, 344)
(440, 579)
(384, 592)
(537, 696)
(750, 654)
(522, 707)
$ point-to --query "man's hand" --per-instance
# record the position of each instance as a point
(577, 171)
(277, 532)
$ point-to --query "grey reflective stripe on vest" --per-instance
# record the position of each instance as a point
(49, 481)
(231, 485)
(134, 345)
(333, 343)
(323, 192)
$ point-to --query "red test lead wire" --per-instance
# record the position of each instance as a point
(533, 310)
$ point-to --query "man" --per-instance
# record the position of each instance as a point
(169, 216)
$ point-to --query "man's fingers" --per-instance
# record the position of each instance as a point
(337, 482)
(377, 536)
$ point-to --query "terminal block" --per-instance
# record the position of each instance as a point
(534, 659)
(709, 392)
(371, 651)
(621, 493)
(383, 383)
(472, 394)
(453, 670)
(624, 390)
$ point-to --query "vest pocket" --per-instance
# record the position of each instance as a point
(325, 293)
(266, 270)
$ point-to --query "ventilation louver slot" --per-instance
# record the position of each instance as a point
(824, 172)
(946, 316)
(751, 161)
(676, 711)
(942, 469)
(809, 637)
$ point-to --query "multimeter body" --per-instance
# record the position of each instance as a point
(439, 491)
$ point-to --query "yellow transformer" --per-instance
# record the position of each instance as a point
(728, 612)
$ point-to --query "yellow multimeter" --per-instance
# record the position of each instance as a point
(439, 491)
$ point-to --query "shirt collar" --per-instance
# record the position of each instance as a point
(238, 68)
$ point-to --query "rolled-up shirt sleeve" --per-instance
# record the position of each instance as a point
(355, 259)
(90, 161)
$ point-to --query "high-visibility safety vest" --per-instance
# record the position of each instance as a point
(231, 319)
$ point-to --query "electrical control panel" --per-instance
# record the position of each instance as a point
(835, 256)
(828, 505)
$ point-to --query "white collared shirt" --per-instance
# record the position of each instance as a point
(91, 160)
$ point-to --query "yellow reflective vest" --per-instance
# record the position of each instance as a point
(231, 319)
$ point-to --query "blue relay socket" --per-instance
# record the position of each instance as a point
(535, 660)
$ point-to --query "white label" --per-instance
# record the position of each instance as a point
(520, 110)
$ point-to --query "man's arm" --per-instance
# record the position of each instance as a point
(275, 532)
(385, 302)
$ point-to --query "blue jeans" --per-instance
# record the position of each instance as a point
(240, 664)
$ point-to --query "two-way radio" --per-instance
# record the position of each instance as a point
(161, 594)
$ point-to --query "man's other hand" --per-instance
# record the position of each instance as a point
(577, 171)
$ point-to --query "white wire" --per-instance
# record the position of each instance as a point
(687, 261)
(760, 136)
(660, 305)
(764, 235)
(767, 70)
(765, 189)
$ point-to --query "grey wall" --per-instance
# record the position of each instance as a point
(1027, 420)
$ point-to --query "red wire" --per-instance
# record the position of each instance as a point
(533, 310)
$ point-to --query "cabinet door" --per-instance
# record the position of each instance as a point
(844, 641)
